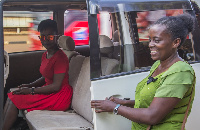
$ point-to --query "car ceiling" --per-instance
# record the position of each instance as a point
(43, 5)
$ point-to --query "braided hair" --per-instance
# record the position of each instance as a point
(177, 26)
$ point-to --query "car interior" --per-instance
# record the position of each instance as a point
(24, 66)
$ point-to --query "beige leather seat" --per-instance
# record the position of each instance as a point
(116, 52)
(68, 46)
(76, 60)
(116, 38)
(108, 65)
(6, 66)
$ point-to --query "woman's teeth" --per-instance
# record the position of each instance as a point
(153, 51)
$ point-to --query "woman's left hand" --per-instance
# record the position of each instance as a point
(103, 105)
(22, 91)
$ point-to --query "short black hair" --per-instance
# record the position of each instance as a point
(178, 26)
(46, 24)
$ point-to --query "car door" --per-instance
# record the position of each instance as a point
(134, 58)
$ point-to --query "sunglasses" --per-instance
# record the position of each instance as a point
(47, 37)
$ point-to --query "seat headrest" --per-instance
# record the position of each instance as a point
(106, 45)
(116, 36)
(66, 42)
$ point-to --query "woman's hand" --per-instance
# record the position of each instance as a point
(22, 91)
(103, 105)
(125, 102)
(24, 85)
(117, 100)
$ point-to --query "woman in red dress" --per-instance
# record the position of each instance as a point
(50, 92)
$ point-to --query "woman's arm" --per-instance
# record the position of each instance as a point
(54, 87)
(124, 102)
(60, 68)
(37, 83)
(152, 115)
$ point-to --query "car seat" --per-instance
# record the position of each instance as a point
(68, 46)
(108, 65)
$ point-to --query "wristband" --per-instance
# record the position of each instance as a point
(32, 90)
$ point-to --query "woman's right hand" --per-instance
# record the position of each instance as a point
(124, 102)
(24, 86)
(117, 100)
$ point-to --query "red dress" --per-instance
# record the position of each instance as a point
(58, 101)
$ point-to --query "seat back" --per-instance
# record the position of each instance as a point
(108, 64)
(81, 92)
(115, 39)
(68, 46)
(75, 68)
(6, 66)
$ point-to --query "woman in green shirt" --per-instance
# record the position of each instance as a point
(161, 99)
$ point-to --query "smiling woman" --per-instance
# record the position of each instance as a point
(161, 99)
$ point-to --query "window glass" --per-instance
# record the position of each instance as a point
(122, 50)
(76, 26)
(109, 51)
(116, 54)
(20, 30)
(142, 52)
(131, 54)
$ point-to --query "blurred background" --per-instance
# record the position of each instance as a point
(20, 27)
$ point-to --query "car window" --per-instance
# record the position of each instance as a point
(20, 30)
(144, 20)
(76, 26)
(125, 56)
